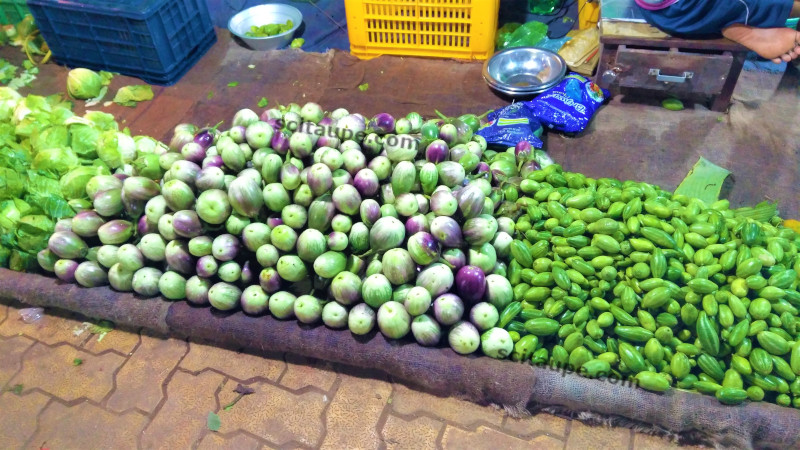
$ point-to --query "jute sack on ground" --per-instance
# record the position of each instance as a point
(519, 388)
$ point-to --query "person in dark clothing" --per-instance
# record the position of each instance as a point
(759, 25)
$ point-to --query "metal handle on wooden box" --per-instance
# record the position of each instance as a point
(670, 78)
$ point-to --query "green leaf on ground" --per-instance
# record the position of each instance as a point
(130, 95)
(99, 98)
(363, 87)
(7, 71)
(233, 84)
(213, 421)
(16, 389)
(263, 102)
(77, 362)
(210, 95)
(104, 326)
(704, 181)
(106, 77)
(101, 329)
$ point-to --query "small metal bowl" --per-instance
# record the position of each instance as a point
(267, 14)
(522, 71)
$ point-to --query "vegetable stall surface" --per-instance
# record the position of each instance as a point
(416, 229)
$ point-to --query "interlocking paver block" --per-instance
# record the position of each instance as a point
(53, 370)
(18, 417)
(50, 329)
(156, 358)
(239, 441)
(120, 340)
(408, 401)
(86, 426)
(401, 433)
(242, 366)
(274, 414)
(181, 421)
(537, 424)
(596, 437)
(355, 411)
(11, 351)
(3, 312)
(487, 438)
(302, 372)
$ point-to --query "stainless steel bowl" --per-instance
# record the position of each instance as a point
(267, 14)
(522, 71)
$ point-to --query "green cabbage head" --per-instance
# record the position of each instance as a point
(84, 83)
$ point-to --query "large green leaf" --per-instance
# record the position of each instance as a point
(12, 185)
(704, 181)
(57, 160)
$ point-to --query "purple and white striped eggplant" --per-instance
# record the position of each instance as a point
(455, 258)
(471, 283)
(447, 231)
(245, 196)
(448, 309)
(178, 257)
(225, 247)
(387, 233)
(437, 278)
(437, 151)
(346, 288)
(86, 223)
(186, 223)
(115, 232)
(416, 224)
(423, 248)
(320, 179)
(480, 230)
(398, 266)
(366, 182)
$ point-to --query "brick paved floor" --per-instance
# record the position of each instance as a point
(63, 387)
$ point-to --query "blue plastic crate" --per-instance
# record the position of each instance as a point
(155, 40)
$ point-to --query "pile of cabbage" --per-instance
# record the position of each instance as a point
(47, 156)
(394, 224)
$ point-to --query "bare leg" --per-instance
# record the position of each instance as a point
(777, 44)
(795, 9)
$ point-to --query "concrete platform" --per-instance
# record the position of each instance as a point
(135, 390)
(62, 387)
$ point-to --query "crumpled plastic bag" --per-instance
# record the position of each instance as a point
(511, 124)
(31, 315)
(504, 34)
(554, 45)
(526, 35)
(569, 106)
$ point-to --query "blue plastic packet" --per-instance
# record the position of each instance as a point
(570, 105)
(509, 125)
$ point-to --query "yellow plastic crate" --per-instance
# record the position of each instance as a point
(461, 29)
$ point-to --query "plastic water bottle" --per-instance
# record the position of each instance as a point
(544, 7)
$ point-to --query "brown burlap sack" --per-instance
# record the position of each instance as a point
(519, 388)
(97, 303)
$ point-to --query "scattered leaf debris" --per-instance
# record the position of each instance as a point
(213, 421)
